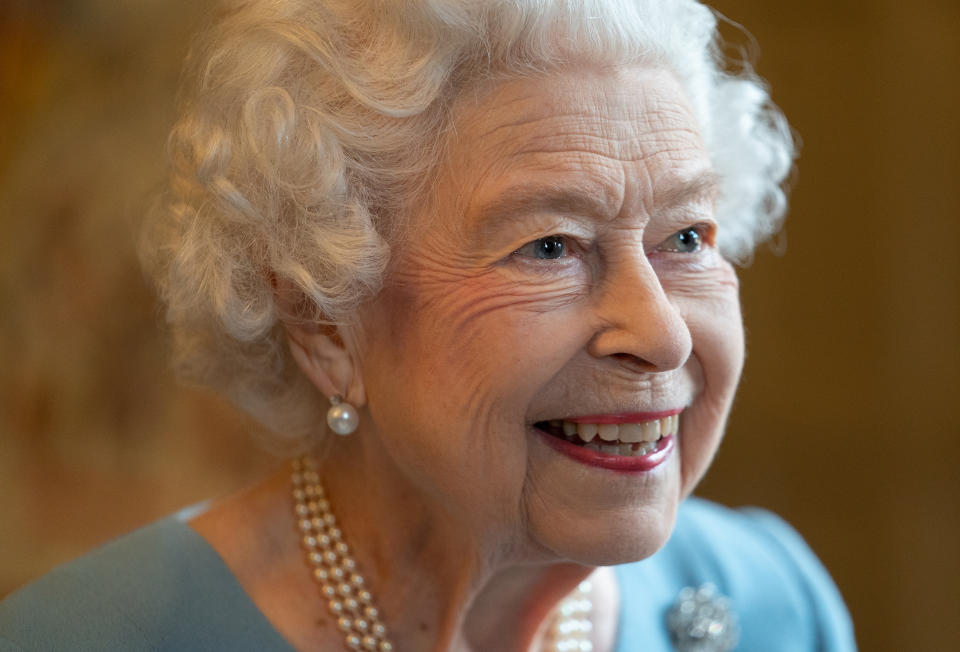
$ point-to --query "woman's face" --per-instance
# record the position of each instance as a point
(565, 279)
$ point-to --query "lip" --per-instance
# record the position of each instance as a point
(624, 417)
(623, 463)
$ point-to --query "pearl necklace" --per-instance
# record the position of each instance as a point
(351, 604)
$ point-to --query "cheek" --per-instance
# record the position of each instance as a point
(710, 304)
(447, 325)
(453, 361)
(711, 308)
(430, 392)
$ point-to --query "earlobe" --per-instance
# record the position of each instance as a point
(324, 359)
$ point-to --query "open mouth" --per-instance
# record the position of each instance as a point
(625, 439)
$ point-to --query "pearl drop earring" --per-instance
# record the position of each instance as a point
(342, 417)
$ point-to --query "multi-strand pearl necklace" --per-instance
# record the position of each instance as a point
(571, 627)
(351, 604)
(348, 600)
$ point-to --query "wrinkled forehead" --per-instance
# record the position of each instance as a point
(617, 138)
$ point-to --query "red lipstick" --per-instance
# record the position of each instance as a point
(624, 417)
(627, 463)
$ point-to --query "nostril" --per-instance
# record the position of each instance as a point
(632, 362)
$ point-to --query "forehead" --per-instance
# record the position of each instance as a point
(613, 141)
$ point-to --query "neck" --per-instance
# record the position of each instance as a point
(438, 579)
(513, 607)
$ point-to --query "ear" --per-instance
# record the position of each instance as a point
(325, 359)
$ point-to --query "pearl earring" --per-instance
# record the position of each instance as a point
(342, 417)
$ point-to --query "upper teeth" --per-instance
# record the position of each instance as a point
(626, 433)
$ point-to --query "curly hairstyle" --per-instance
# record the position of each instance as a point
(308, 129)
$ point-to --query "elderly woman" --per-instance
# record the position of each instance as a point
(473, 261)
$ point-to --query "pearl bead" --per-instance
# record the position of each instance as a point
(353, 642)
(386, 646)
(345, 624)
(343, 418)
(368, 643)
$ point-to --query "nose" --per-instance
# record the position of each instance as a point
(640, 326)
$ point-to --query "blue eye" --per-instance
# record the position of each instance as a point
(687, 241)
(549, 248)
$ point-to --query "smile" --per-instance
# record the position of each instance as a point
(616, 441)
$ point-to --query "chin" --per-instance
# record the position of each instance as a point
(603, 518)
(626, 540)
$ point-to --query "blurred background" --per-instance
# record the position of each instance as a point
(846, 423)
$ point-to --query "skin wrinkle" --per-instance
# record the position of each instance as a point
(485, 290)
(490, 293)
(582, 144)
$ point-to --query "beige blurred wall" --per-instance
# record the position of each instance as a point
(95, 436)
(846, 423)
(847, 420)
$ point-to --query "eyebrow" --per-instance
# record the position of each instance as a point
(528, 198)
(705, 186)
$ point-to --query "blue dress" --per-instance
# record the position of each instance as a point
(164, 588)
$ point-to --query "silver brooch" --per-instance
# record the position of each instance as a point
(702, 620)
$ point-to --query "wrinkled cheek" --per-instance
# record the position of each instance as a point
(478, 321)
(452, 371)
(717, 361)
(710, 307)
(473, 348)
(721, 345)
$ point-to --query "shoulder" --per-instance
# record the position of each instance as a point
(782, 595)
(159, 588)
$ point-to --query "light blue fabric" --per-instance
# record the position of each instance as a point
(163, 588)
(783, 597)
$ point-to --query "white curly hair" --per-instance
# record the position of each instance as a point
(310, 127)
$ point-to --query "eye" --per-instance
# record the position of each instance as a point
(686, 241)
(550, 248)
